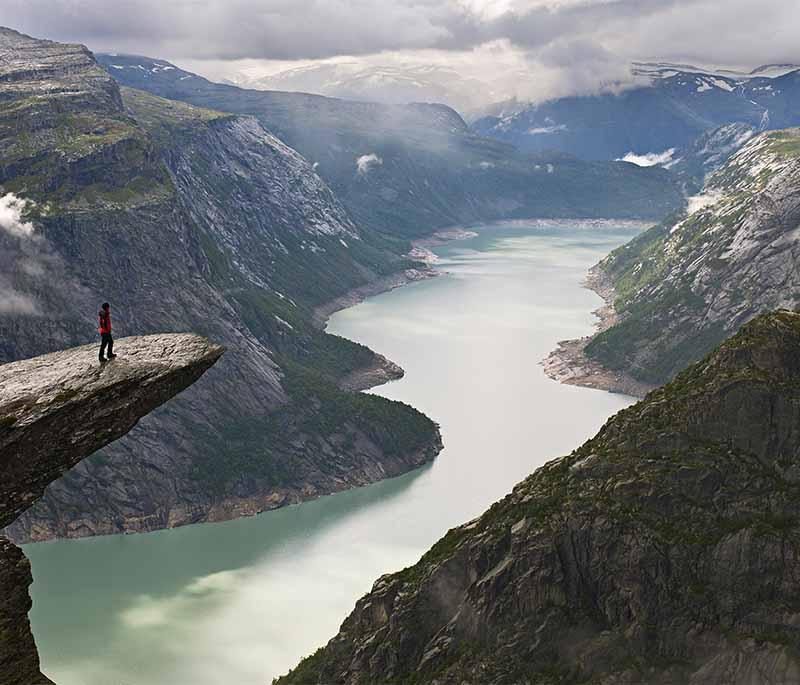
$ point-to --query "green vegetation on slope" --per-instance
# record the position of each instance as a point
(660, 545)
(322, 421)
(686, 284)
(192, 219)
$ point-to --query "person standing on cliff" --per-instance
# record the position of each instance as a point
(106, 340)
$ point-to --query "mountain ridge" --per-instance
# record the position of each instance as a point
(676, 107)
(188, 219)
(408, 170)
(663, 550)
(686, 284)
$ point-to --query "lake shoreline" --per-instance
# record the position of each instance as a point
(567, 364)
(470, 344)
(570, 365)
(383, 370)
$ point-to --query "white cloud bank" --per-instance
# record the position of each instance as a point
(649, 158)
(534, 49)
(12, 209)
(12, 222)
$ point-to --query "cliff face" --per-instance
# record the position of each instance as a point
(664, 550)
(687, 284)
(54, 411)
(187, 219)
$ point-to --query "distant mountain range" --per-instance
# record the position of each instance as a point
(665, 105)
(672, 106)
(409, 169)
(389, 84)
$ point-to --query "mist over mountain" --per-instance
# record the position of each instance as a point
(408, 169)
(390, 84)
(676, 105)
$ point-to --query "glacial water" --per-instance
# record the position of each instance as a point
(242, 601)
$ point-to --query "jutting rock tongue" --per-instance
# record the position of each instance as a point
(54, 411)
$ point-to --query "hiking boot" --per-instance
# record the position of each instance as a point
(112, 356)
(103, 361)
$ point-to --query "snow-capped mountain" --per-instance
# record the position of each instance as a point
(658, 70)
(669, 107)
(391, 84)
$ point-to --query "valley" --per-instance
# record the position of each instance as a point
(394, 328)
(246, 599)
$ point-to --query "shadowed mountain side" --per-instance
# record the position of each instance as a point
(406, 170)
(187, 219)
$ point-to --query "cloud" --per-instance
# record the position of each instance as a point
(698, 202)
(23, 257)
(533, 49)
(15, 303)
(366, 162)
(649, 158)
(12, 209)
(539, 130)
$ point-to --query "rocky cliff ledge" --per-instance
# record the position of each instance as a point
(664, 550)
(54, 411)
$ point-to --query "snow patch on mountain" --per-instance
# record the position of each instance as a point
(537, 130)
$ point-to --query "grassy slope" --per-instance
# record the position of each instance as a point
(639, 269)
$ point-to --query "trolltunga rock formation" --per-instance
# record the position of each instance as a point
(54, 411)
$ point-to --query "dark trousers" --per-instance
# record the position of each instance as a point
(106, 340)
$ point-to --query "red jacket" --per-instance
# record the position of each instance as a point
(105, 321)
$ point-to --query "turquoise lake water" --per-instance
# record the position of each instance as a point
(241, 602)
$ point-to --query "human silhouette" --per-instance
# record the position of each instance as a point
(106, 339)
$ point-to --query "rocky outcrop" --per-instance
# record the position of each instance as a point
(664, 550)
(188, 219)
(54, 411)
(19, 660)
(684, 286)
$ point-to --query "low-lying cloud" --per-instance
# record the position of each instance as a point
(15, 303)
(12, 210)
(367, 162)
(649, 158)
(21, 257)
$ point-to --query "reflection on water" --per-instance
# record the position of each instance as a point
(242, 601)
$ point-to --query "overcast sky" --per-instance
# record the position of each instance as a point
(539, 47)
